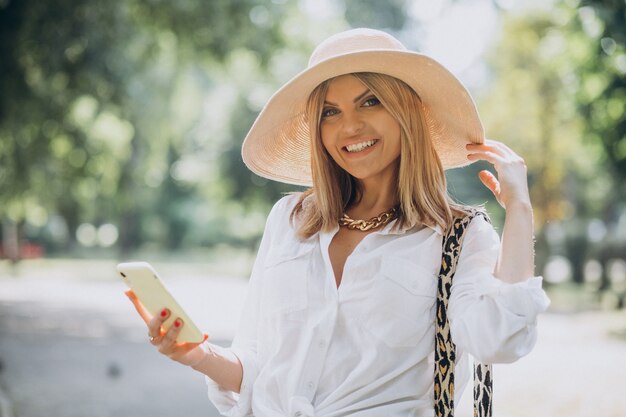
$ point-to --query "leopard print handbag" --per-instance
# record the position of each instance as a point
(445, 355)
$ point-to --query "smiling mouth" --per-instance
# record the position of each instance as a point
(358, 147)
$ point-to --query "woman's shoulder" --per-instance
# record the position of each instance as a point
(476, 223)
(285, 205)
(480, 232)
(281, 211)
(472, 216)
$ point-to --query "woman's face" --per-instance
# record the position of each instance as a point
(358, 132)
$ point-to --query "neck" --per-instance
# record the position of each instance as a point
(377, 195)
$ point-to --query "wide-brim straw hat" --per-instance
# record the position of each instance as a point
(277, 146)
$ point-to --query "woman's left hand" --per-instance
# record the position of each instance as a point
(511, 185)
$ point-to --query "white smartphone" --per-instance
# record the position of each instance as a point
(144, 281)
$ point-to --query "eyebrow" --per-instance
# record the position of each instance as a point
(360, 96)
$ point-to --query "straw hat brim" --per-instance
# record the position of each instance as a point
(277, 145)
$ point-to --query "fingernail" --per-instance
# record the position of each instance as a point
(177, 323)
(164, 312)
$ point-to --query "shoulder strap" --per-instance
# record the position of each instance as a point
(445, 350)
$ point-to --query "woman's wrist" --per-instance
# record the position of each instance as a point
(516, 261)
(200, 354)
(521, 205)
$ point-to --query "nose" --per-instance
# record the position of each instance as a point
(352, 123)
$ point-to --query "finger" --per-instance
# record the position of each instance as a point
(490, 182)
(502, 147)
(478, 146)
(155, 327)
(169, 340)
(491, 157)
(156, 341)
(474, 149)
(487, 147)
(492, 146)
(145, 315)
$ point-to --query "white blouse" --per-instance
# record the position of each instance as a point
(366, 348)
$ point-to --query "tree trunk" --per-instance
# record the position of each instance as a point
(11, 240)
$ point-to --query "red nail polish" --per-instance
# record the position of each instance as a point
(163, 313)
(177, 323)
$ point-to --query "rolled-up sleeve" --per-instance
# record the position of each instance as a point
(494, 321)
(244, 345)
(230, 403)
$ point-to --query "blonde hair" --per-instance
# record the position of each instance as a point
(421, 182)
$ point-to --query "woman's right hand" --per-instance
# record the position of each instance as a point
(190, 354)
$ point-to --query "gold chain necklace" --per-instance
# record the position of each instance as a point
(365, 225)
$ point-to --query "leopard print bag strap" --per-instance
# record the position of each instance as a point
(445, 350)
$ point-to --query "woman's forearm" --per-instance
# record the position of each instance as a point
(517, 255)
(222, 366)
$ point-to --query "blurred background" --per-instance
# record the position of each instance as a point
(120, 131)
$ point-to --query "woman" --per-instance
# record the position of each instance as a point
(340, 313)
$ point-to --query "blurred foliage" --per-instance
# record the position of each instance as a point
(602, 96)
(389, 15)
(602, 102)
(132, 114)
(98, 106)
(558, 97)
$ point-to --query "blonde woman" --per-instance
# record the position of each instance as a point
(340, 315)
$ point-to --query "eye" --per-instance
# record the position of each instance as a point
(329, 111)
(371, 101)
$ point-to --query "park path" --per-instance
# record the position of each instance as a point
(74, 347)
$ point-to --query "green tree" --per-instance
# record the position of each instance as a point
(531, 104)
(602, 102)
(602, 96)
(85, 113)
(558, 96)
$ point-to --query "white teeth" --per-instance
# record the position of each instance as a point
(357, 147)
